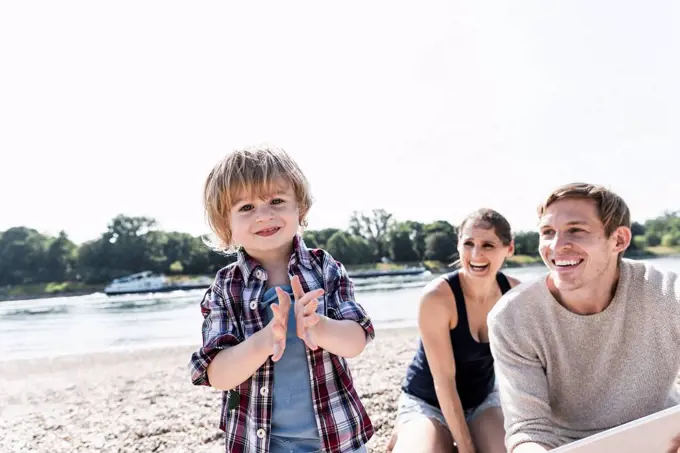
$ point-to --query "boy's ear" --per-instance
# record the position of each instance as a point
(302, 216)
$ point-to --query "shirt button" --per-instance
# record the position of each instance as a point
(264, 391)
(259, 274)
(260, 433)
(253, 305)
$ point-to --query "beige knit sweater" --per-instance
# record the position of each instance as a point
(564, 376)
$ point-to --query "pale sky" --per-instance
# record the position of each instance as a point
(427, 109)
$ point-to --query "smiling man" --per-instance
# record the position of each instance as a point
(596, 342)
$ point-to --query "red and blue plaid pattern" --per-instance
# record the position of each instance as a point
(231, 315)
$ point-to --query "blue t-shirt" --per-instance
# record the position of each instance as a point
(293, 416)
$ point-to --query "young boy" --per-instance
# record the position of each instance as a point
(278, 323)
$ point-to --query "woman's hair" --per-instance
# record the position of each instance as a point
(487, 219)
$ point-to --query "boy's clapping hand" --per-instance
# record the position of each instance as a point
(305, 316)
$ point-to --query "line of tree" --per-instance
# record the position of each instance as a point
(134, 244)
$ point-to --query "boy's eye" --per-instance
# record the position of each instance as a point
(277, 201)
(468, 244)
(246, 207)
(488, 246)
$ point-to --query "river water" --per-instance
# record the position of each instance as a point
(97, 322)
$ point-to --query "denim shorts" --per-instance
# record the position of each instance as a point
(278, 445)
(411, 407)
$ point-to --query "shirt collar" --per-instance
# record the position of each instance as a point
(250, 266)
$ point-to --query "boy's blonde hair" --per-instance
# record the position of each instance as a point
(253, 171)
(613, 211)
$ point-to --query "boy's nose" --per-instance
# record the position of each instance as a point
(264, 213)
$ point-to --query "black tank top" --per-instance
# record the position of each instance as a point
(474, 363)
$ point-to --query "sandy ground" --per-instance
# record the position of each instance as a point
(144, 401)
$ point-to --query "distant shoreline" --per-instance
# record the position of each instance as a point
(70, 289)
(32, 292)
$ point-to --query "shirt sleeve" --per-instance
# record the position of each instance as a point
(344, 305)
(523, 389)
(219, 332)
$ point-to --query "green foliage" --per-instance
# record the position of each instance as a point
(374, 228)
(401, 245)
(176, 267)
(440, 226)
(526, 243)
(318, 238)
(417, 235)
(440, 246)
(637, 229)
(129, 244)
(663, 230)
(350, 249)
(60, 258)
(671, 239)
(652, 239)
(33, 262)
(639, 242)
(23, 256)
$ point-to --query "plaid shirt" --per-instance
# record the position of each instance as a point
(231, 315)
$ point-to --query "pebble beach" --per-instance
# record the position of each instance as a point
(144, 401)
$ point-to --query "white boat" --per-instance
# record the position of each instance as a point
(148, 282)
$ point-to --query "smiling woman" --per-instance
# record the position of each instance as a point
(449, 392)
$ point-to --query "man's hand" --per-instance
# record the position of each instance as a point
(279, 324)
(305, 311)
(675, 445)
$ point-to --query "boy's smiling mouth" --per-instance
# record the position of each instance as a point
(268, 231)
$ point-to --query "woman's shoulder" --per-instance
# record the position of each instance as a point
(438, 289)
(512, 280)
(437, 300)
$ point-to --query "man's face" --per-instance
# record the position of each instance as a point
(574, 246)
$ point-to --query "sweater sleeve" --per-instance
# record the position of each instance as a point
(523, 387)
(675, 278)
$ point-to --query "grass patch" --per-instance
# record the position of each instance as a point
(662, 250)
(523, 260)
(36, 290)
(380, 266)
(432, 264)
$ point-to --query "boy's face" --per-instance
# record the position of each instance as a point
(267, 222)
(574, 246)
